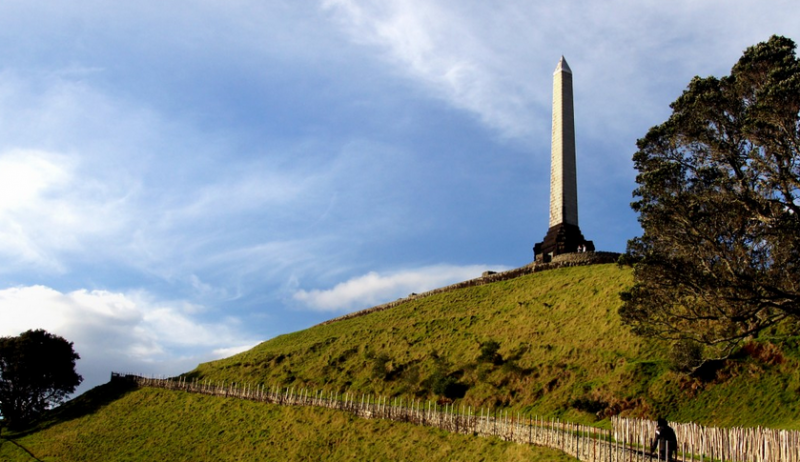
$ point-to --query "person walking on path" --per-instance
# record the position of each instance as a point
(665, 440)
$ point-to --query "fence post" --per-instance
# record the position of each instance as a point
(738, 444)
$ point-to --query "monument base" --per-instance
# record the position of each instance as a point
(561, 239)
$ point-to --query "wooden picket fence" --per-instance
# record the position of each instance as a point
(696, 442)
(628, 441)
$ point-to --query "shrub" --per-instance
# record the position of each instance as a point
(446, 385)
(379, 369)
(489, 353)
(686, 356)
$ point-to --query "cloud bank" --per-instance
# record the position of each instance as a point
(114, 331)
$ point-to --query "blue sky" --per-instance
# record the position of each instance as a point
(182, 180)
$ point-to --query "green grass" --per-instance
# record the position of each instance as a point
(565, 351)
(153, 424)
(564, 354)
(558, 331)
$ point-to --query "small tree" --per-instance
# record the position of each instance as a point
(37, 371)
(379, 369)
(489, 353)
(718, 199)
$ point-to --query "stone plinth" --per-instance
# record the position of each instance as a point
(561, 239)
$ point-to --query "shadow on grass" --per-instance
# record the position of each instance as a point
(85, 404)
(22, 448)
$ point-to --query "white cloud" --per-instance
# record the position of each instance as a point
(447, 49)
(45, 210)
(374, 288)
(121, 332)
(214, 150)
(69, 173)
(26, 175)
(121, 184)
(495, 59)
(227, 352)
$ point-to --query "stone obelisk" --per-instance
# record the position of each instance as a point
(564, 235)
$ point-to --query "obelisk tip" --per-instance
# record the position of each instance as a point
(563, 66)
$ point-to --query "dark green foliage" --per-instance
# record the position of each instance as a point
(626, 259)
(686, 356)
(447, 386)
(718, 199)
(379, 366)
(489, 353)
(589, 405)
(37, 371)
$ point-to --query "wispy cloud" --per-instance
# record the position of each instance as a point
(46, 211)
(126, 186)
(444, 46)
(495, 60)
(374, 288)
(217, 152)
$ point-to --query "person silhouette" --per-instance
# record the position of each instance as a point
(665, 440)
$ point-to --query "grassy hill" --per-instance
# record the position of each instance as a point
(548, 343)
(560, 351)
(114, 424)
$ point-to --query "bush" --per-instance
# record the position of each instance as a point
(686, 356)
(590, 405)
(379, 369)
(447, 386)
(489, 353)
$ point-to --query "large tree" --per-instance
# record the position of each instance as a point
(37, 371)
(718, 199)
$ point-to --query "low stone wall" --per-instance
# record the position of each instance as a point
(560, 261)
(591, 257)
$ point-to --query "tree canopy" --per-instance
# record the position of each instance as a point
(37, 371)
(718, 199)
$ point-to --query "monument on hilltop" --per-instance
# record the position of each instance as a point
(564, 235)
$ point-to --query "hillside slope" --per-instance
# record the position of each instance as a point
(549, 343)
(152, 424)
